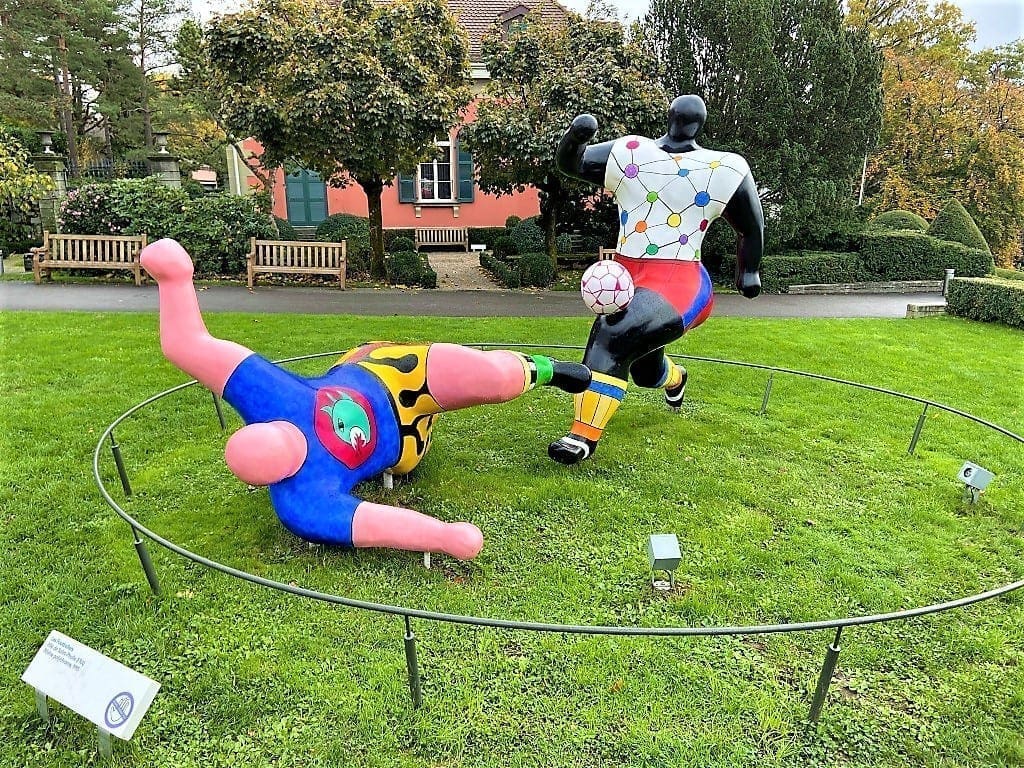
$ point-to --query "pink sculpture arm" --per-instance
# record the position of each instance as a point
(265, 453)
(380, 525)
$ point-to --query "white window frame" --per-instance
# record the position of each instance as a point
(437, 163)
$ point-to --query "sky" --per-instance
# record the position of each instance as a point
(997, 21)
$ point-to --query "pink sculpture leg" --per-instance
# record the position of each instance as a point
(266, 452)
(183, 335)
(379, 525)
(460, 377)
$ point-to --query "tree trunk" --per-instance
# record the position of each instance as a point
(549, 199)
(66, 118)
(373, 189)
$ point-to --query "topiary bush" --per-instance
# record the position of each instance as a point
(990, 300)
(409, 268)
(899, 219)
(355, 231)
(503, 272)
(511, 221)
(535, 269)
(504, 247)
(918, 256)
(527, 236)
(391, 234)
(486, 235)
(955, 225)
(780, 271)
(285, 230)
(401, 243)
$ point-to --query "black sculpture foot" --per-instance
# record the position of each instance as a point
(571, 449)
(674, 395)
(570, 377)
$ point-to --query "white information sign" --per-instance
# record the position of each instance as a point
(95, 686)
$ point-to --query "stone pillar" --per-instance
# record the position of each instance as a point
(51, 165)
(165, 167)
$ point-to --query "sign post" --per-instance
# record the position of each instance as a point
(104, 692)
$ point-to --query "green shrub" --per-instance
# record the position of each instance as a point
(899, 220)
(917, 256)
(780, 271)
(401, 243)
(955, 224)
(215, 229)
(355, 231)
(391, 234)
(1009, 274)
(990, 300)
(564, 243)
(511, 221)
(504, 247)
(527, 236)
(535, 269)
(486, 235)
(285, 230)
(409, 268)
(503, 272)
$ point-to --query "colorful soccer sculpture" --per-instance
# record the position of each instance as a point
(311, 440)
(668, 190)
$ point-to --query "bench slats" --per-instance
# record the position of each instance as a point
(88, 252)
(296, 257)
(442, 236)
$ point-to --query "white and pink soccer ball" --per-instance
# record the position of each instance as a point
(607, 287)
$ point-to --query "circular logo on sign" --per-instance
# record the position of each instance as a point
(119, 710)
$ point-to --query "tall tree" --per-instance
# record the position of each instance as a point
(542, 76)
(789, 86)
(353, 90)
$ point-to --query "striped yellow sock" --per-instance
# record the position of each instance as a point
(594, 408)
(674, 375)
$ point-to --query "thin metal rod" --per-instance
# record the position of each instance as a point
(220, 412)
(917, 430)
(767, 392)
(42, 706)
(828, 669)
(412, 665)
(147, 562)
(119, 461)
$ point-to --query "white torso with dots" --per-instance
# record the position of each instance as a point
(667, 200)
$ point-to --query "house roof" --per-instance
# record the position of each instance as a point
(478, 17)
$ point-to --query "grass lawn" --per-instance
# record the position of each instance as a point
(812, 511)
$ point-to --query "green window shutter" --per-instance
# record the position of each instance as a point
(406, 189)
(466, 186)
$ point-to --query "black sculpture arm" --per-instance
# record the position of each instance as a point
(744, 213)
(574, 158)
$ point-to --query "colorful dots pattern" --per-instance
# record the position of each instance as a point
(668, 201)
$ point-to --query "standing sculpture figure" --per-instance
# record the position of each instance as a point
(668, 190)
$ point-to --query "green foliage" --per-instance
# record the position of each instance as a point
(918, 256)
(527, 236)
(542, 76)
(355, 230)
(410, 268)
(564, 243)
(488, 235)
(898, 219)
(1009, 274)
(789, 86)
(401, 243)
(504, 246)
(285, 230)
(355, 91)
(391, 234)
(511, 221)
(987, 299)
(215, 229)
(20, 183)
(536, 269)
(954, 223)
(504, 273)
(779, 271)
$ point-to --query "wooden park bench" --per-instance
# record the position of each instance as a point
(442, 236)
(305, 257)
(105, 252)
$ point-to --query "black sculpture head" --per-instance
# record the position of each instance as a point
(686, 117)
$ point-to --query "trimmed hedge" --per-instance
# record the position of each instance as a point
(779, 271)
(410, 268)
(527, 236)
(355, 231)
(990, 300)
(502, 271)
(531, 270)
(1009, 274)
(898, 219)
(487, 235)
(390, 235)
(918, 256)
(401, 243)
(955, 224)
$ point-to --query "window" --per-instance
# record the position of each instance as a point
(434, 178)
(514, 19)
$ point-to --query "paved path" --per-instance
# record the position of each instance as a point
(460, 271)
(21, 295)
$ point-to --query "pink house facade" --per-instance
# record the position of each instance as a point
(444, 191)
